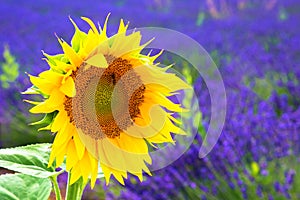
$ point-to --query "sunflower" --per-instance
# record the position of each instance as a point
(107, 103)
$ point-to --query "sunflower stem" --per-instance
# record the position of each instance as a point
(56, 187)
(74, 191)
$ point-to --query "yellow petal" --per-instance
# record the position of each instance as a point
(118, 161)
(32, 102)
(44, 85)
(51, 76)
(92, 41)
(70, 53)
(117, 174)
(172, 128)
(65, 134)
(92, 25)
(75, 174)
(125, 44)
(79, 146)
(158, 139)
(97, 60)
(144, 126)
(103, 35)
(140, 176)
(110, 154)
(174, 119)
(89, 142)
(106, 171)
(94, 176)
(59, 121)
(131, 144)
(151, 75)
(156, 87)
(72, 157)
(93, 160)
(68, 88)
(157, 98)
(85, 166)
(42, 108)
(64, 66)
(122, 27)
(56, 98)
(60, 158)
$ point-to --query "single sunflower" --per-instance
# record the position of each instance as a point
(107, 102)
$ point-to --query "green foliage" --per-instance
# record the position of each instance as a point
(34, 178)
(21, 186)
(254, 169)
(220, 57)
(267, 85)
(31, 160)
(263, 88)
(270, 43)
(17, 132)
(252, 178)
(283, 14)
(200, 18)
(180, 66)
(10, 69)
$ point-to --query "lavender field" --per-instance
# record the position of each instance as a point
(254, 43)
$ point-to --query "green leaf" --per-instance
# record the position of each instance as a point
(31, 160)
(21, 186)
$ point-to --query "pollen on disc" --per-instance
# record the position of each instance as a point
(91, 108)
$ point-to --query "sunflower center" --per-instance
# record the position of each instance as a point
(98, 109)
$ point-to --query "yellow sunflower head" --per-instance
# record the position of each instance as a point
(106, 102)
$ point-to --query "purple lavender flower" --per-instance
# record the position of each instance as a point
(259, 192)
(289, 177)
(270, 197)
(277, 186)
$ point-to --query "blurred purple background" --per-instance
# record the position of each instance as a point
(256, 46)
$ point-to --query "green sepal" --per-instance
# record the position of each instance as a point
(47, 119)
(52, 58)
(77, 38)
(32, 90)
(35, 90)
